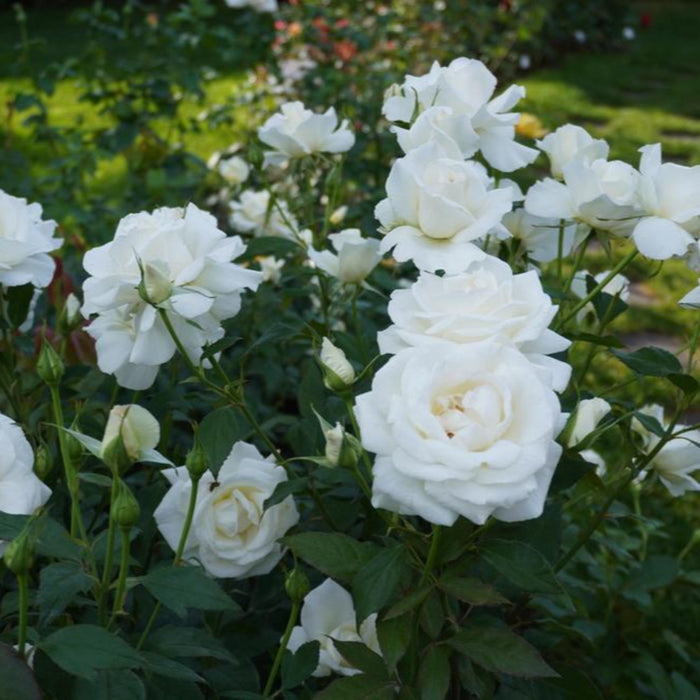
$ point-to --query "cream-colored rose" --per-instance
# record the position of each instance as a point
(328, 613)
(589, 413)
(137, 428)
(232, 536)
(334, 359)
(356, 256)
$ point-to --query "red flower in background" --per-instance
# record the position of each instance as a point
(645, 20)
(345, 49)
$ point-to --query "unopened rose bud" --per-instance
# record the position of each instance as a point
(125, 510)
(338, 372)
(296, 585)
(338, 215)
(70, 317)
(50, 367)
(588, 414)
(76, 451)
(19, 554)
(130, 429)
(342, 450)
(197, 460)
(155, 286)
(43, 461)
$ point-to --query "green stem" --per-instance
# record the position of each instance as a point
(432, 554)
(293, 615)
(109, 559)
(358, 327)
(582, 302)
(368, 463)
(178, 556)
(577, 263)
(23, 585)
(560, 249)
(123, 571)
(76, 520)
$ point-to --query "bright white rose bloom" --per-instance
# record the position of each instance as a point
(25, 243)
(437, 208)
(231, 536)
(257, 5)
(255, 212)
(21, 491)
(569, 142)
(677, 460)
(601, 194)
(137, 428)
(670, 196)
(356, 256)
(295, 132)
(328, 613)
(540, 236)
(271, 268)
(452, 105)
(461, 430)
(234, 170)
(589, 413)
(180, 262)
(486, 303)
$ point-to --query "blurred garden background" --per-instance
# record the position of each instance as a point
(108, 108)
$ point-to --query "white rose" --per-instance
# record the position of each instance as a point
(356, 256)
(540, 236)
(328, 613)
(271, 268)
(569, 142)
(677, 460)
(137, 428)
(454, 108)
(183, 260)
(670, 196)
(257, 5)
(601, 194)
(461, 430)
(588, 414)
(255, 212)
(295, 132)
(231, 536)
(334, 443)
(21, 491)
(436, 208)
(488, 302)
(25, 242)
(234, 170)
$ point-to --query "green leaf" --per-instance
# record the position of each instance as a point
(284, 489)
(97, 479)
(297, 667)
(110, 685)
(358, 688)
(431, 615)
(82, 650)
(650, 362)
(52, 539)
(332, 553)
(186, 642)
(16, 678)
(501, 651)
(394, 637)
(409, 602)
(522, 565)
(472, 591)
(570, 469)
(18, 301)
(650, 423)
(58, 585)
(361, 657)
(687, 384)
(182, 587)
(270, 245)
(160, 665)
(434, 674)
(658, 571)
(217, 432)
(608, 341)
(379, 581)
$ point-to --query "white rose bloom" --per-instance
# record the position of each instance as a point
(255, 212)
(25, 243)
(589, 413)
(452, 105)
(540, 236)
(257, 5)
(231, 536)
(593, 457)
(21, 491)
(295, 132)
(136, 426)
(234, 170)
(437, 208)
(186, 264)
(569, 142)
(486, 303)
(461, 430)
(271, 268)
(328, 613)
(356, 256)
(670, 196)
(601, 194)
(677, 460)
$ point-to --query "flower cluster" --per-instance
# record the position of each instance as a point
(171, 266)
